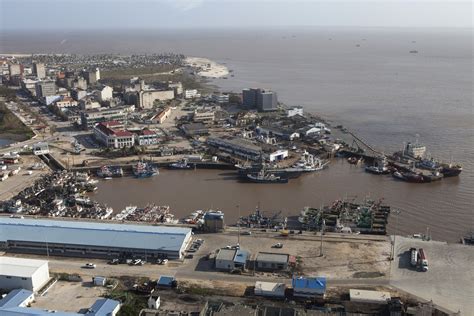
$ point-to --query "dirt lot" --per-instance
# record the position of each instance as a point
(14, 184)
(83, 294)
(359, 257)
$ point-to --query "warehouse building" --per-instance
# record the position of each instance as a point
(91, 239)
(231, 259)
(18, 273)
(237, 146)
(267, 261)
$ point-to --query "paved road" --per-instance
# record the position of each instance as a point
(450, 279)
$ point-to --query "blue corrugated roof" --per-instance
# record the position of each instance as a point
(302, 283)
(93, 234)
(14, 298)
(10, 306)
(241, 256)
(103, 307)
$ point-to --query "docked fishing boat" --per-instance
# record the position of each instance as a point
(265, 177)
(289, 173)
(309, 163)
(182, 164)
(451, 170)
(144, 170)
(380, 166)
(434, 176)
(428, 164)
(109, 172)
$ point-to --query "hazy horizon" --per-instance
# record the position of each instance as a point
(78, 15)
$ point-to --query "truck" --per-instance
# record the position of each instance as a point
(413, 257)
(422, 260)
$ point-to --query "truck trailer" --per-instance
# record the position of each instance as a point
(422, 260)
(413, 257)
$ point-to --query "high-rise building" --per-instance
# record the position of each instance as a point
(249, 97)
(39, 70)
(15, 70)
(260, 99)
(267, 101)
(45, 88)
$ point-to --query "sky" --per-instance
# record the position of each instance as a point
(194, 14)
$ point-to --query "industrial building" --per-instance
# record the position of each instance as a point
(237, 146)
(267, 261)
(92, 239)
(231, 259)
(17, 301)
(18, 273)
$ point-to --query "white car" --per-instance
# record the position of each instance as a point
(89, 265)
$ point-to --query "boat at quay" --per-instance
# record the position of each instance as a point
(144, 170)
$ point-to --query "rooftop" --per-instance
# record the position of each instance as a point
(309, 283)
(93, 233)
(272, 257)
(226, 254)
(19, 267)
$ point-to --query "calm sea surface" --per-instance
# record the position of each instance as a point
(379, 90)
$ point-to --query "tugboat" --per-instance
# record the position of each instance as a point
(265, 177)
(182, 164)
(144, 170)
(379, 166)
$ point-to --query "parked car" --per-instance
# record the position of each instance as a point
(89, 265)
(114, 261)
(246, 233)
(164, 261)
(159, 261)
(278, 245)
(137, 262)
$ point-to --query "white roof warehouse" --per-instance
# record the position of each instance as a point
(92, 239)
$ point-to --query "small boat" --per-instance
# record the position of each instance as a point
(182, 164)
(380, 166)
(352, 160)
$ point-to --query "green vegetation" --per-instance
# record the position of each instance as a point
(7, 93)
(132, 303)
(128, 72)
(11, 126)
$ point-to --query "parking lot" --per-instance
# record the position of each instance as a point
(449, 279)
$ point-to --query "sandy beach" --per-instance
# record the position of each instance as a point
(207, 68)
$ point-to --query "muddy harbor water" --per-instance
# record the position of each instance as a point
(189, 190)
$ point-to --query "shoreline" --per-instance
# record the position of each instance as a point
(207, 68)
